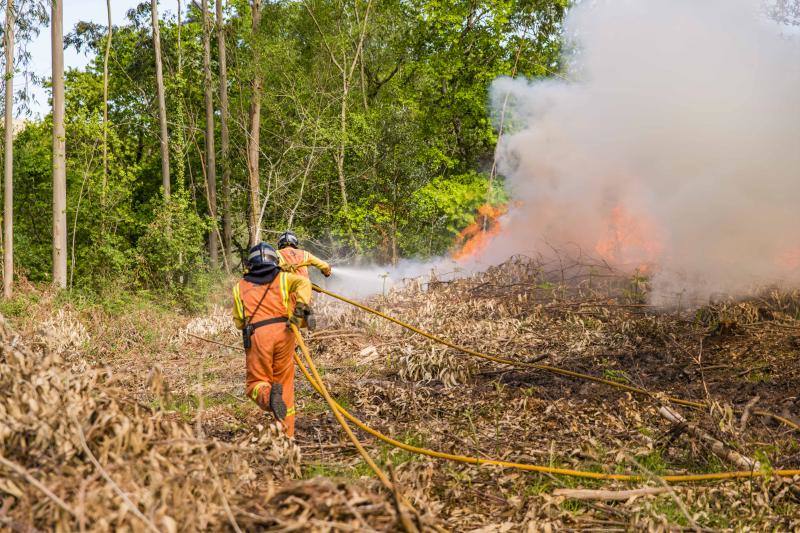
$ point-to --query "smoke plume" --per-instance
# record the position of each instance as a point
(673, 143)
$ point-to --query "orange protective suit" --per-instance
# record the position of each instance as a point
(298, 261)
(270, 356)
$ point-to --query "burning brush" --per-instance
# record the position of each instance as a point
(474, 238)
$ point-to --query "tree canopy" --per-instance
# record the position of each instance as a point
(376, 135)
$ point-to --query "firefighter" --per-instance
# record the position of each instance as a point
(265, 301)
(296, 260)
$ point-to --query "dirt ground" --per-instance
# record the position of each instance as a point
(736, 355)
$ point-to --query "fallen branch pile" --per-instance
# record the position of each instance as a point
(76, 453)
(592, 320)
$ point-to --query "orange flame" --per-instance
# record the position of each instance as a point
(629, 238)
(790, 259)
(473, 239)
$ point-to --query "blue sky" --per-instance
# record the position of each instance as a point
(75, 11)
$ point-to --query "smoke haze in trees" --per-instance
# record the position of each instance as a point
(674, 146)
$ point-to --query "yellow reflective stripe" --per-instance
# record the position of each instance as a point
(237, 299)
(291, 411)
(285, 292)
(305, 256)
(257, 388)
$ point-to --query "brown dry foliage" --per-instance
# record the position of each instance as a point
(50, 403)
(582, 316)
(589, 318)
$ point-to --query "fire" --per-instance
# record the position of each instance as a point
(790, 259)
(629, 238)
(473, 239)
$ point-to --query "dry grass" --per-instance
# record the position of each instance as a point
(79, 451)
(580, 316)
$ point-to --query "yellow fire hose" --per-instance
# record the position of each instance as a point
(316, 382)
(547, 368)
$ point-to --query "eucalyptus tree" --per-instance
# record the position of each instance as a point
(162, 103)
(211, 157)
(59, 146)
(223, 127)
(8, 177)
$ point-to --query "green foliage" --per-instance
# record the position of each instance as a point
(449, 205)
(398, 122)
(171, 252)
(19, 305)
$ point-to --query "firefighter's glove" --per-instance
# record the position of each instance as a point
(304, 316)
(327, 272)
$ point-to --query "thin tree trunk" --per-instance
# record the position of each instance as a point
(162, 105)
(59, 147)
(180, 42)
(347, 77)
(224, 134)
(342, 140)
(493, 171)
(255, 126)
(8, 181)
(290, 221)
(211, 163)
(105, 102)
(394, 242)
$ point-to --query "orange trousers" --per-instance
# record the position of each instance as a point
(270, 359)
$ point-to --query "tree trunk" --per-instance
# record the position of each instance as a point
(342, 141)
(104, 191)
(224, 135)
(162, 105)
(255, 126)
(395, 258)
(493, 171)
(211, 156)
(8, 181)
(59, 148)
(105, 100)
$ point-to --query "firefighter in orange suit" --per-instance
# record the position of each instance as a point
(296, 260)
(264, 302)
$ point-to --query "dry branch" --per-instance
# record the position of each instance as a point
(608, 495)
(717, 446)
(748, 409)
(113, 484)
(11, 465)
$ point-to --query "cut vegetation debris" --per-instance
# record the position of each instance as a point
(77, 452)
(186, 449)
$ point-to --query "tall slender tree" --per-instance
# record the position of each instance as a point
(162, 104)
(255, 128)
(223, 131)
(346, 68)
(105, 101)
(211, 163)
(59, 147)
(8, 178)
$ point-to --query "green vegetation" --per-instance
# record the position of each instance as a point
(616, 375)
(356, 471)
(376, 135)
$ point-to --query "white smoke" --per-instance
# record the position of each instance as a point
(361, 281)
(682, 117)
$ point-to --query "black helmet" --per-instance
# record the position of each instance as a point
(288, 238)
(262, 256)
